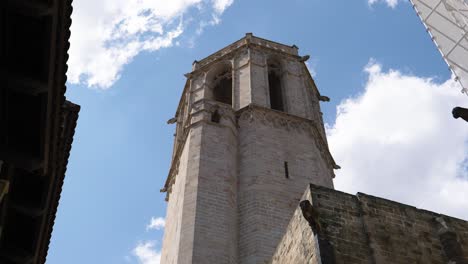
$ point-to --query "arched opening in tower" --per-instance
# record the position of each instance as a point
(276, 95)
(222, 91)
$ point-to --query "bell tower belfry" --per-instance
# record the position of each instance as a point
(249, 139)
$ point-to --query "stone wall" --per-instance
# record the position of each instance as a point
(267, 196)
(216, 206)
(179, 228)
(367, 229)
(201, 220)
(298, 244)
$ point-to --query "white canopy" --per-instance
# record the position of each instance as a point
(447, 23)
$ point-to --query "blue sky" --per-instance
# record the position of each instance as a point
(392, 134)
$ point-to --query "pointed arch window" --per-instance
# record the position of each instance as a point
(222, 91)
(274, 83)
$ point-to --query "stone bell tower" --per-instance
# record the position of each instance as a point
(249, 140)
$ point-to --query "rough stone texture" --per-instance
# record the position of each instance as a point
(267, 198)
(201, 215)
(368, 229)
(298, 244)
(216, 208)
(229, 198)
(259, 78)
(242, 92)
(172, 229)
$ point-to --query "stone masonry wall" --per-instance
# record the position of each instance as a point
(368, 229)
(216, 208)
(178, 234)
(267, 198)
(298, 244)
(201, 221)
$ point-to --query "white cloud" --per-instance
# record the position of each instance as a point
(390, 3)
(146, 253)
(156, 223)
(108, 34)
(398, 140)
(311, 66)
(221, 5)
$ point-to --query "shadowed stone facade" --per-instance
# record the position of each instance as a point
(37, 124)
(249, 139)
(366, 229)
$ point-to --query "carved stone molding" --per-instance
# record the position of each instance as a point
(277, 119)
(274, 119)
(211, 105)
(248, 41)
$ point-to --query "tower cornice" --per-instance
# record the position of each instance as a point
(248, 41)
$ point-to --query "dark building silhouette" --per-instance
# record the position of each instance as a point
(36, 124)
(458, 112)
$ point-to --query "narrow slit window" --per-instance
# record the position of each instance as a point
(286, 170)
